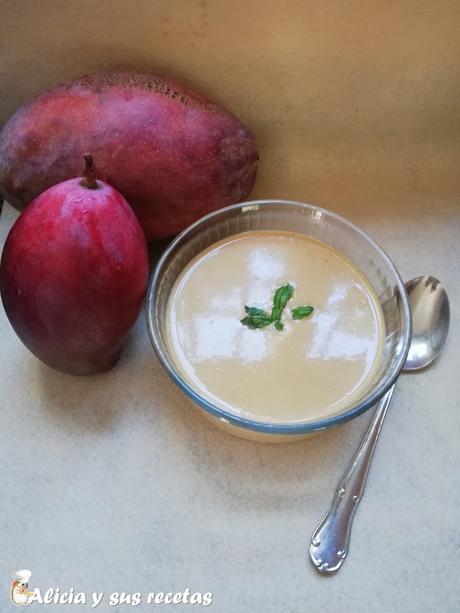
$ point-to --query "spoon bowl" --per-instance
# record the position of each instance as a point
(430, 310)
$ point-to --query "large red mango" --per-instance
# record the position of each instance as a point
(173, 154)
(73, 274)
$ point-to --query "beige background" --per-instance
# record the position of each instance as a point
(332, 89)
(112, 483)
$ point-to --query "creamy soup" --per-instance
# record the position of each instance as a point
(310, 368)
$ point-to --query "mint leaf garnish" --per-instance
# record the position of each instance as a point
(258, 318)
(256, 321)
(282, 295)
(301, 311)
(255, 312)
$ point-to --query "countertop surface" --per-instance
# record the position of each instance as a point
(115, 483)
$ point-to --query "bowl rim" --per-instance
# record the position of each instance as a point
(268, 427)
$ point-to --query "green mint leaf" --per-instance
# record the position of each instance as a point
(254, 311)
(258, 318)
(256, 321)
(301, 311)
(282, 295)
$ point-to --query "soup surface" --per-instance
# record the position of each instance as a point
(311, 368)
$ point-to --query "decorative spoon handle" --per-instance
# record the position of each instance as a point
(330, 541)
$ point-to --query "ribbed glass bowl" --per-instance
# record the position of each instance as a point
(312, 221)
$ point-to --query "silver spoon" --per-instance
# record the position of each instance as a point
(430, 324)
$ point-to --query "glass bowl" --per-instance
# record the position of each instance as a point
(313, 221)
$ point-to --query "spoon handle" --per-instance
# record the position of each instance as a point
(330, 541)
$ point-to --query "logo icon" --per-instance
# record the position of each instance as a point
(20, 587)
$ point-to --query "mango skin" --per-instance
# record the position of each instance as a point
(173, 154)
(73, 276)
